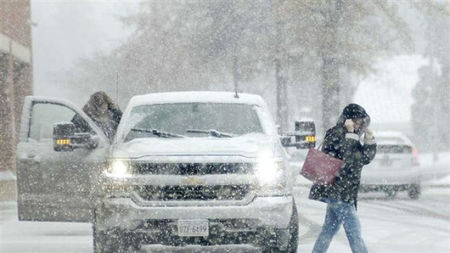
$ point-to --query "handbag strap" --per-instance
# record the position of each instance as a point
(323, 140)
(320, 145)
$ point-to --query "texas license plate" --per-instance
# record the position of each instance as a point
(193, 227)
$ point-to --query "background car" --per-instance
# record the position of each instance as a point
(395, 167)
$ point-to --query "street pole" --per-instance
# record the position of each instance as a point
(12, 106)
(117, 87)
(280, 75)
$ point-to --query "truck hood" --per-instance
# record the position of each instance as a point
(248, 146)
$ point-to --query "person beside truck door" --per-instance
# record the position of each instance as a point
(103, 111)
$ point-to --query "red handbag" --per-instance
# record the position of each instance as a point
(320, 167)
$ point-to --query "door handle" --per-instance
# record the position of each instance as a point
(34, 159)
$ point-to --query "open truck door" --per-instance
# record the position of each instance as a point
(57, 172)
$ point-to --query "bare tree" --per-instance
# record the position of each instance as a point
(207, 44)
(431, 108)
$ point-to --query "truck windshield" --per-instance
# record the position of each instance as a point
(178, 118)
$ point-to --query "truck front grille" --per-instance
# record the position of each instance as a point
(191, 168)
(197, 192)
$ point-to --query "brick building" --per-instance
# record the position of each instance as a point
(15, 74)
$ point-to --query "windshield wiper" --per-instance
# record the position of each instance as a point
(211, 132)
(158, 133)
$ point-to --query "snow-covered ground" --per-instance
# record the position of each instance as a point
(6, 175)
(435, 172)
(389, 225)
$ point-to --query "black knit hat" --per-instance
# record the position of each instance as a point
(354, 111)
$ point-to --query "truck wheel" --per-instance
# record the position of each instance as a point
(293, 231)
(390, 193)
(111, 241)
(105, 242)
(414, 191)
(293, 236)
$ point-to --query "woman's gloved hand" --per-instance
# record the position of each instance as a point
(349, 125)
(368, 134)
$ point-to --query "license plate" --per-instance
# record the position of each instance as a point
(193, 227)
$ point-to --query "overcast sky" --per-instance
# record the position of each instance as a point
(387, 93)
(68, 30)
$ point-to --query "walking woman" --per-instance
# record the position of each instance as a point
(343, 141)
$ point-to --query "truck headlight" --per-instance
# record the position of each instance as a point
(119, 168)
(269, 171)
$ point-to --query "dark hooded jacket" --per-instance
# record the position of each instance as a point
(108, 121)
(109, 128)
(346, 146)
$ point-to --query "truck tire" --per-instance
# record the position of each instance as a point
(293, 236)
(293, 231)
(414, 191)
(390, 193)
(105, 242)
(112, 241)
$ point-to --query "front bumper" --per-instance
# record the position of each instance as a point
(123, 213)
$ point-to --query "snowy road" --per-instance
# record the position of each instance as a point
(389, 225)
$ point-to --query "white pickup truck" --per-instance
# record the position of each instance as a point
(185, 168)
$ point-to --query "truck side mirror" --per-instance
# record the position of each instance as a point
(65, 138)
(304, 136)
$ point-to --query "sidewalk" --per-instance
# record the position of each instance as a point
(7, 185)
(435, 173)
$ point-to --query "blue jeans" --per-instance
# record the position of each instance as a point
(338, 213)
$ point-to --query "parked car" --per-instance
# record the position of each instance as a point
(395, 167)
(203, 168)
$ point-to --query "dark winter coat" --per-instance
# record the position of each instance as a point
(109, 127)
(345, 146)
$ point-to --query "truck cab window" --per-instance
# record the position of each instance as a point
(45, 115)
